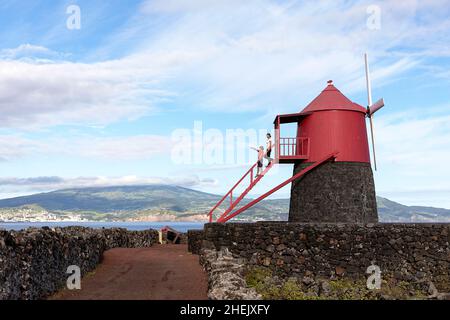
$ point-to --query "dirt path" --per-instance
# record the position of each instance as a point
(162, 272)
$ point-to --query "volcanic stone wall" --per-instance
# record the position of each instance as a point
(33, 263)
(195, 238)
(402, 251)
(335, 192)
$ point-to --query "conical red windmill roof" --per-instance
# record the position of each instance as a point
(332, 99)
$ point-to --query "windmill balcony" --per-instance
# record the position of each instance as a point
(292, 149)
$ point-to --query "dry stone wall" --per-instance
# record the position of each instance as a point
(405, 252)
(226, 276)
(33, 262)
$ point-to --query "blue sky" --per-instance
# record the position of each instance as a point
(100, 105)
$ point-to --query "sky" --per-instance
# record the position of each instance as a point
(99, 93)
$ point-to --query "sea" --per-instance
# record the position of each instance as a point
(136, 226)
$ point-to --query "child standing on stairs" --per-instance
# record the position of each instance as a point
(260, 159)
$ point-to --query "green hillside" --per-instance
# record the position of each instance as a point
(142, 202)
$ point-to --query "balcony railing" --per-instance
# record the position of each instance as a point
(293, 148)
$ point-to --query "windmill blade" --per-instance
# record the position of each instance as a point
(373, 142)
(376, 106)
(369, 88)
(369, 105)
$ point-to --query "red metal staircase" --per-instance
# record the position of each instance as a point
(228, 214)
(233, 204)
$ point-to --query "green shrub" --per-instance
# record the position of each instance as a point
(256, 276)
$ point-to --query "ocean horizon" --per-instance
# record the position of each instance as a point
(133, 226)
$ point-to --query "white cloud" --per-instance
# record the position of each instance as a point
(14, 146)
(222, 56)
(27, 50)
(414, 140)
(413, 152)
(54, 182)
(42, 94)
(183, 6)
(262, 54)
(120, 148)
(14, 185)
(92, 147)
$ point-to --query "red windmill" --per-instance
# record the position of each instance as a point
(332, 179)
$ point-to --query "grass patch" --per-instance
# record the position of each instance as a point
(271, 287)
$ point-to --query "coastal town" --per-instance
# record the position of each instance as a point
(34, 213)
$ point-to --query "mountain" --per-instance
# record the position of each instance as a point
(149, 202)
(395, 212)
(120, 198)
(165, 202)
